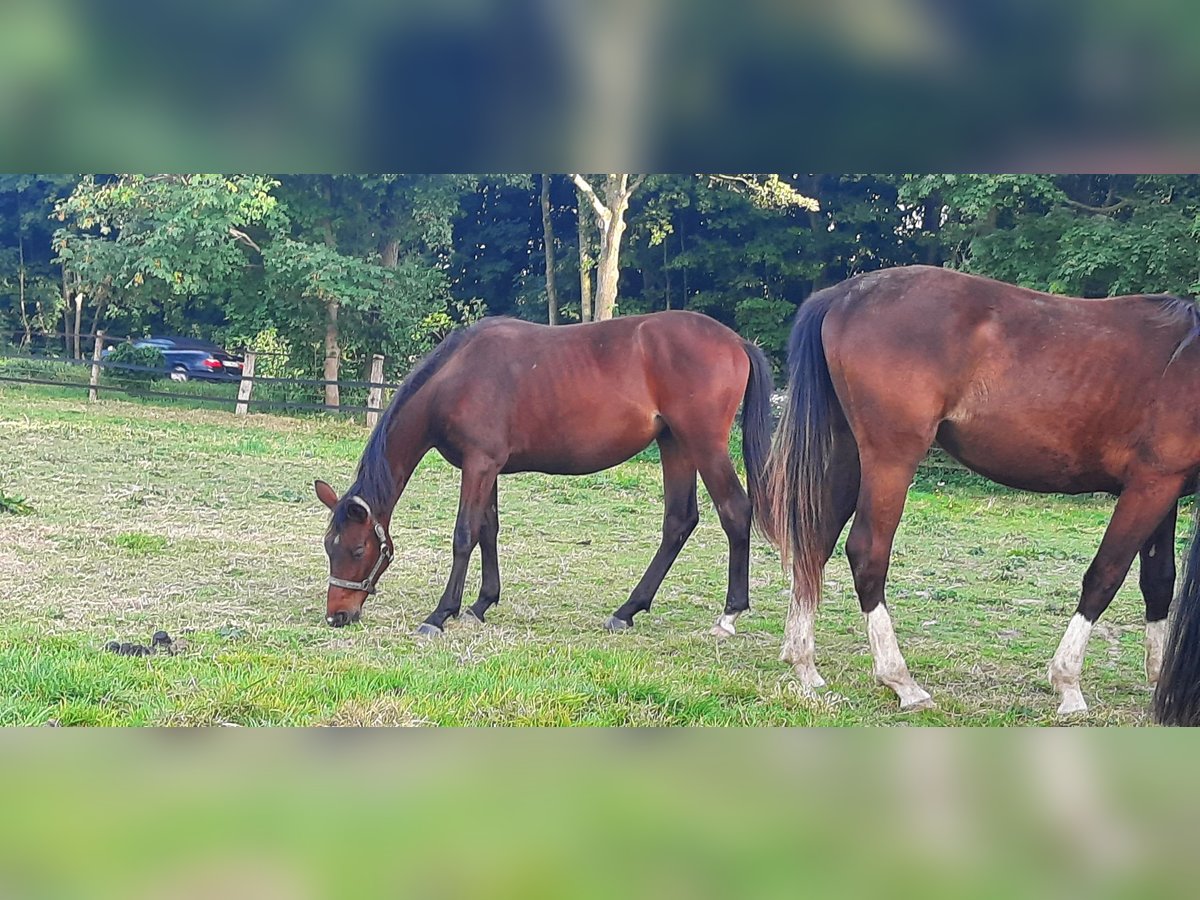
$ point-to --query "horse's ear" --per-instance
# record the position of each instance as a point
(325, 493)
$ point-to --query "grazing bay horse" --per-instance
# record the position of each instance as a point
(510, 396)
(1035, 391)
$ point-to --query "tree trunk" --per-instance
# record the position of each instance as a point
(25, 340)
(585, 259)
(548, 242)
(66, 295)
(332, 356)
(610, 215)
(666, 278)
(389, 253)
(102, 293)
(931, 217)
(78, 318)
(608, 271)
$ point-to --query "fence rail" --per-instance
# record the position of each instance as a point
(242, 403)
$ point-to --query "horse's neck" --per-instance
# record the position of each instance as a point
(407, 444)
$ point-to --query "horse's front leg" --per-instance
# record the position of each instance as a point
(489, 585)
(475, 495)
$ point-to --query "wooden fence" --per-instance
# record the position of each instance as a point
(242, 404)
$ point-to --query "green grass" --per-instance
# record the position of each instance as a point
(148, 517)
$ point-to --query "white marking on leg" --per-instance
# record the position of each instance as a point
(1156, 642)
(799, 641)
(1067, 665)
(725, 626)
(890, 667)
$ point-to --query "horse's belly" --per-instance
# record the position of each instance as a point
(1025, 461)
(568, 454)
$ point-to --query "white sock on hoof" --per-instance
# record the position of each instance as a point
(1067, 665)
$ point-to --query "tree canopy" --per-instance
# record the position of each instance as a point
(337, 267)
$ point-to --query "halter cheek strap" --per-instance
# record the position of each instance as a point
(385, 553)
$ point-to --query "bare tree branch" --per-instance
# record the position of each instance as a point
(597, 203)
(244, 238)
(1098, 210)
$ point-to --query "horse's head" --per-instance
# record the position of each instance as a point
(359, 549)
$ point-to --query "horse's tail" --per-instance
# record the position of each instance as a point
(756, 429)
(1177, 697)
(803, 450)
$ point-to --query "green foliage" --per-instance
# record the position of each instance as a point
(767, 321)
(1083, 235)
(129, 355)
(43, 369)
(403, 258)
(14, 504)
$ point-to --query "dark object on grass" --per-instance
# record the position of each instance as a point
(160, 643)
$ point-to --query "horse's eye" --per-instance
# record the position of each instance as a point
(359, 552)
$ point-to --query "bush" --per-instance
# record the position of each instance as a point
(129, 355)
(43, 368)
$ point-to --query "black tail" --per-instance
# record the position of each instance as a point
(803, 448)
(756, 429)
(1177, 697)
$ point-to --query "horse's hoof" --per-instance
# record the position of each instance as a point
(616, 624)
(918, 705)
(473, 616)
(425, 629)
(721, 633)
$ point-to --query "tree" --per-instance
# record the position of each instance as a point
(610, 220)
(139, 242)
(1083, 235)
(363, 263)
(29, 280)
(548, 244)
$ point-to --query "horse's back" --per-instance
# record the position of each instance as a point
(583, 397)
(1031, 389)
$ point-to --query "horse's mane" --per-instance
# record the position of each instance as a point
(1176, 311)
(373, 481)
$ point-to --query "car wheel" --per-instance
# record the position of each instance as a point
(179, 373)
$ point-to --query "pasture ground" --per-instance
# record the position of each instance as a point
(205, 525)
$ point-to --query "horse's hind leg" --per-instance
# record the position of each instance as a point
(734, 510)
(882, 492)
(680, 515)
(476, 491)
(1157, 579)
(799, 640)
(1140, 510)
(489, 585)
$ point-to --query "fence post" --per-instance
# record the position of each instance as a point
(95, 379)
(246, 385)
(375, 394)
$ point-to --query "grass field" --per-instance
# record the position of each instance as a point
(146, 517)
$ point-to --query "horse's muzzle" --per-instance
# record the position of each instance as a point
(341, 617)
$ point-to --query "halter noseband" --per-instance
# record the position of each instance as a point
(385, 553)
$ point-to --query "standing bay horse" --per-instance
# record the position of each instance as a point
(1035, 391)
(510, 396)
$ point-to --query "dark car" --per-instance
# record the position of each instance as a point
(190, 358)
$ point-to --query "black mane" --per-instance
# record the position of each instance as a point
(373, 481)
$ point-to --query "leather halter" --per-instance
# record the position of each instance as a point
(385, 553)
